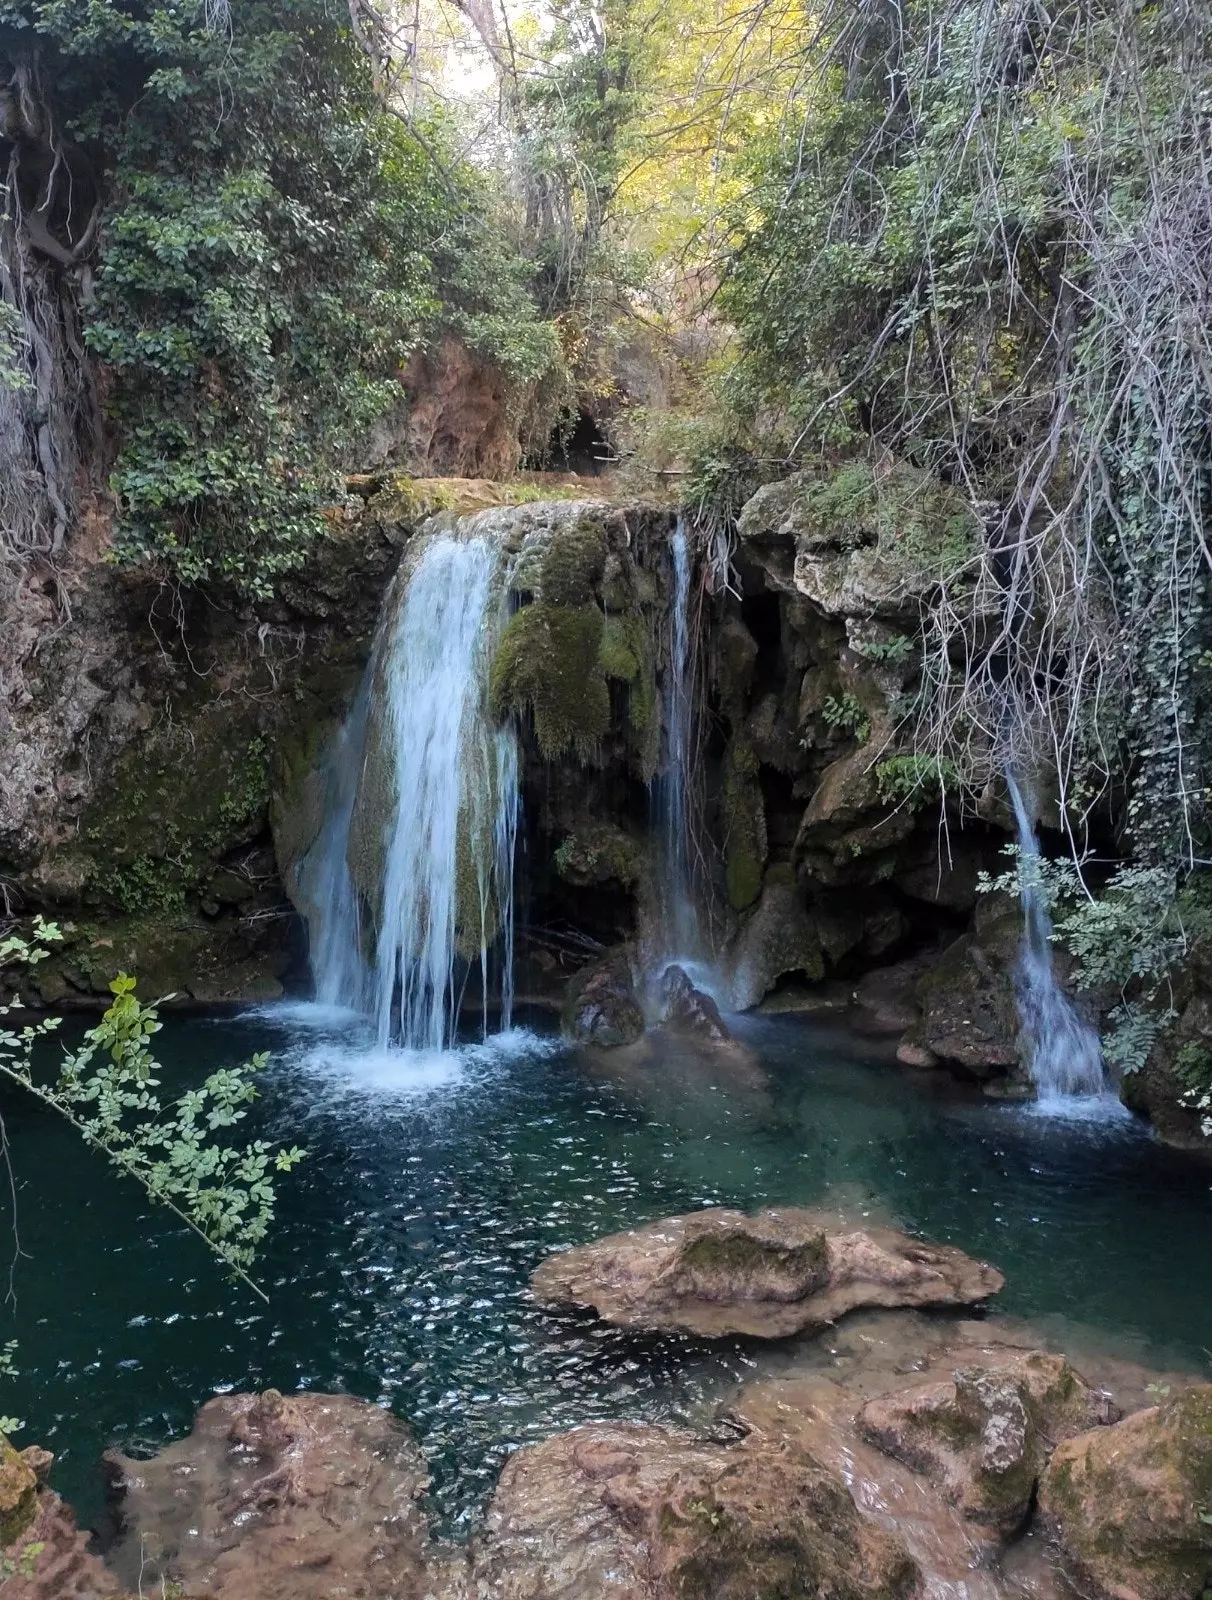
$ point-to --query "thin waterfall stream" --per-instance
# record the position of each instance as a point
(411, 879)
(681, 932)
(1064, 1056)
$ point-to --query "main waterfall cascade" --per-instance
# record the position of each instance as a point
(423, 791)
(1064, 1055)
(681, 930)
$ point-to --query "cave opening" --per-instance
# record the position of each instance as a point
(577, 445)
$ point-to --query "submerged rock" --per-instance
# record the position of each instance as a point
(601, 1006)
(983, 1434)
(689, 1010)
(1131, 1506)
(278, 1498)
(630, 1511)
(769, 1275)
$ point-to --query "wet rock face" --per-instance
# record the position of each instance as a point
(689, 1010)
(1129, 1505)
(779, 938)
(279, 1498)
(601, 1007)
(768, 1275)
(648, 1513)
(983, 1435)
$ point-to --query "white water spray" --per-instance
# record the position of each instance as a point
(1063, 1053)
(446, 783)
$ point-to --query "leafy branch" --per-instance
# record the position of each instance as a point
(108, 1091)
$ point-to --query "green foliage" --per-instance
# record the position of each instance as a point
(108, 1090)
(919, 778)
(971, 246)
(8, 1369)
(845, 712)
(273, 247)
(14, 369)
(886, 652)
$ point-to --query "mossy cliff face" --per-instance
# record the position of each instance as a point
(810, 793)
(157, 732)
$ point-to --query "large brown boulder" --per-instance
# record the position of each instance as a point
(278, 1498)
(628, 1511)
(983, 1433)
(688, 1010)
(969, 1013)
(1131, 1506)
(601, 1006)
(768, 1275)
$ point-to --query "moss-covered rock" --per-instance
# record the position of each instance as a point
(984, 1434)
(779, 938)
(870, 539)
(600, 852)
(549, 663)
(655, 1514)
(744, 814)
(601, 1007)
(18, 1494)
(1131, 1506)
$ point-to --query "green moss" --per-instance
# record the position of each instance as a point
(549, 662)
(624, 647)
(744, 825)
(573, 563)
(597, 853)
(791, 1556)
(918, 523)
(18, 1494)
(627, 656)
(748, 1262)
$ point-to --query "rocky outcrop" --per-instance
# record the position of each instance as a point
(984, 1433)
(780, 938)
(1131, 1506)
(689, 1010)
(43, 1555)
(627, 1511)
(278, 1498)
(872, 539)
(768, 1275)
(601, 1006)
(966, 998)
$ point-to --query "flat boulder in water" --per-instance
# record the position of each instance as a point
(632, 1511)
(767, 1275)
(1131, 1506)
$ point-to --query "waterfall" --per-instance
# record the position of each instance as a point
(412, 876)
(680, 934)
(326, 884)
(1064, 1055)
